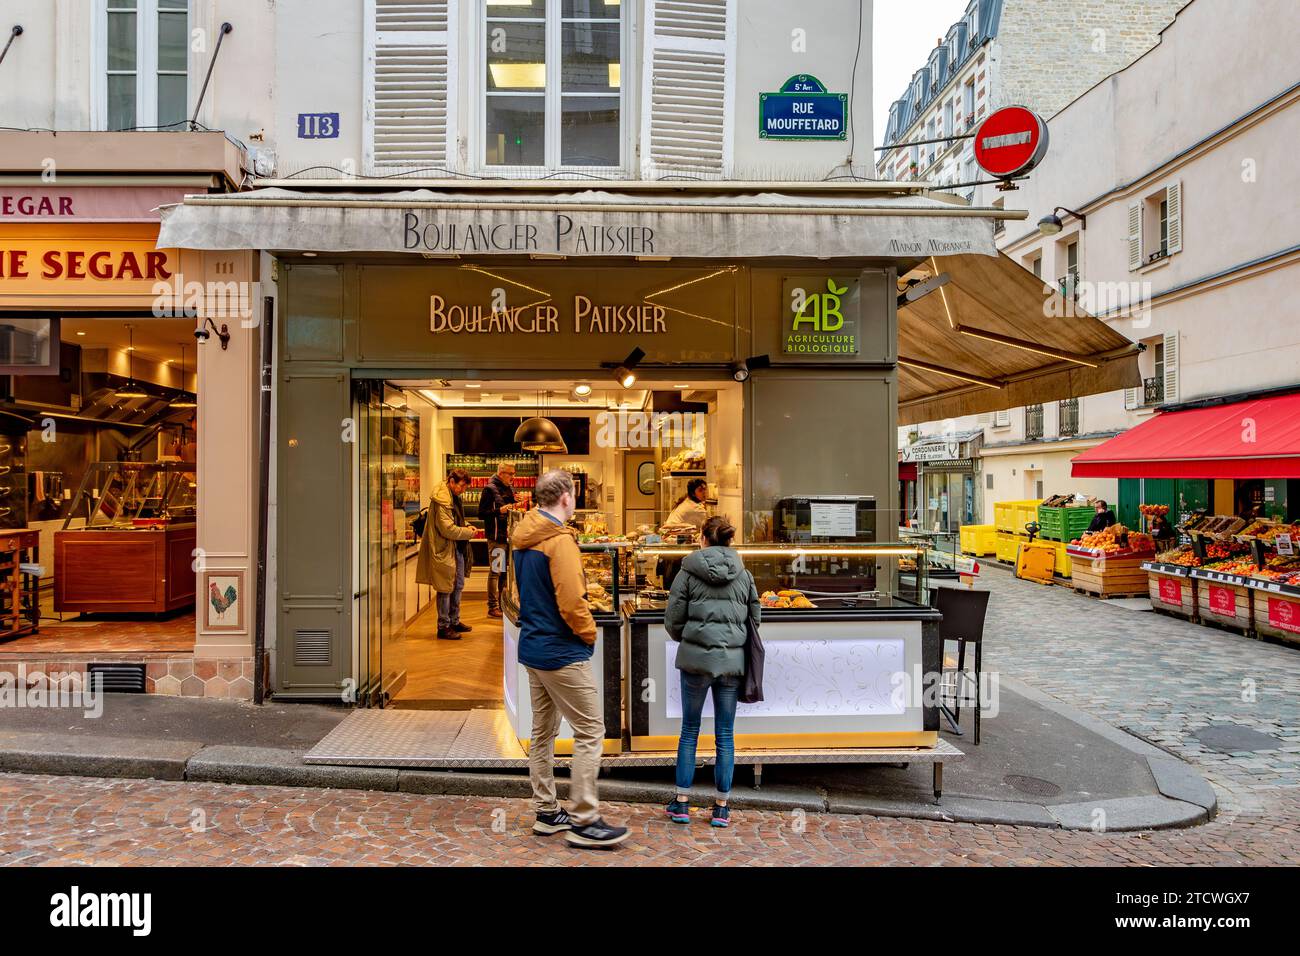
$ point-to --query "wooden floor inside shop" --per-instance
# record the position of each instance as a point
(454, 675)
(105, 633)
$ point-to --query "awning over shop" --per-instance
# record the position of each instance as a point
(990, 335)
(687, 224)
(1259, 438)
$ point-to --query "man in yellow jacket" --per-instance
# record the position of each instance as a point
(445, 557)
(556, 636)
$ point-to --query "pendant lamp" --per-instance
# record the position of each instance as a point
(185, 399)
(132, 388)
(539, 434)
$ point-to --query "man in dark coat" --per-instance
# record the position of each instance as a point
(494, 508)
(1103, 519)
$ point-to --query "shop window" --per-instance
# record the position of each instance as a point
(968, 101)
(553, 84)
(143, 46)
(988, 481)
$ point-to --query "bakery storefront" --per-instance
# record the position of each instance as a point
(664, 344)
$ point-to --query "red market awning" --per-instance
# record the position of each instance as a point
(1259, 438)
(907, 471)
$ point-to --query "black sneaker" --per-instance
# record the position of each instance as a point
(461, 628)
(721, 816)
(597, 833)
(447, 635)
(548, 823)
(679, 811)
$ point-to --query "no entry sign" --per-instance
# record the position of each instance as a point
(1011, 141)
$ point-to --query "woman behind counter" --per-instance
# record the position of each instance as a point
(690, 508)
(709, 610)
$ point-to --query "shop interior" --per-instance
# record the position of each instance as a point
(632, 451)
(97, 461)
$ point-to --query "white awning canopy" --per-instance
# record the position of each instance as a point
(589, 223)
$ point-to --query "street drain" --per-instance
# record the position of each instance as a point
(1031, 786)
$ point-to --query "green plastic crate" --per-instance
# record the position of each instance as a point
(1064, 524)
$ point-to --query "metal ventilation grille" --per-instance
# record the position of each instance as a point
(312, 648)
(693, 19)
(687, 112)
(410, 124)
(116, 678)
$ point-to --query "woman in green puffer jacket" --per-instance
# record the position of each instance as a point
(709, 609)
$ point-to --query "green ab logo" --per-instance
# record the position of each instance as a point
(821, 311)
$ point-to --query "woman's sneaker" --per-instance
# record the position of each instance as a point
(721, 816)
(548, 823)
(597, 833)
(679, 811)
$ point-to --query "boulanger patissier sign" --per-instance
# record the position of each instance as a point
(592, 223)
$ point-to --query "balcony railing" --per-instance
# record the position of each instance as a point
(1033, 422)
(1068, 284)
(1153, 390)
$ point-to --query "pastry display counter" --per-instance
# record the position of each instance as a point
(135, 552)
(847, 651)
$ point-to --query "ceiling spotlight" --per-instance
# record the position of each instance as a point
(626, 372)
(580, 392)
(741, 370)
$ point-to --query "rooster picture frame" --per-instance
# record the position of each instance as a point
(223, 600)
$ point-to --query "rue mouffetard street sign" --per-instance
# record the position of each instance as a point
(802, 110)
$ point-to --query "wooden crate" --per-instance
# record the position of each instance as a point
(1226, 604)
(1108, 575)
(1172, 593)
(1277, 615)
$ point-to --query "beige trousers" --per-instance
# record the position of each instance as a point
(568, 693)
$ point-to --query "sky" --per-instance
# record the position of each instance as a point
(905, 33)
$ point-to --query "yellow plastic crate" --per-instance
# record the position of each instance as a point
(1062, 559)
(1012, 516)
(1007, 545)
(978, 539)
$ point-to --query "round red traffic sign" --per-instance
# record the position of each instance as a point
(1011, 141)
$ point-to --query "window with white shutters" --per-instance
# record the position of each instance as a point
(1002, 419)
(1171, 367)
(686, 122)
(409, 116)
(1174, 217)
(1134, 236)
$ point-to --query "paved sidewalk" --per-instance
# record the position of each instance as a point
(80, 821)
(1161, 678)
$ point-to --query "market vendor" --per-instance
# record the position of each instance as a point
(1103, 519)
(1162, 532)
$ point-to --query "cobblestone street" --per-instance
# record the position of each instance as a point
(1162, 678)
(81, 821)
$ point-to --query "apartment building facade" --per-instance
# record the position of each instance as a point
(1005, 52)
(1178, 165)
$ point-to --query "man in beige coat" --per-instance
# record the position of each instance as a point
(444, 557)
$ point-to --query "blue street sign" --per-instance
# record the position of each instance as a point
(802, 110)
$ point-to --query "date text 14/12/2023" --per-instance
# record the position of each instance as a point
(563, 237)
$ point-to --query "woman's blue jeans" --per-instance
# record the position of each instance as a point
(695, 687)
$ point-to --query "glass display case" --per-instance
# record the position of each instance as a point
(806, 578)
(135, 494)
(942, 549)
(134, 553)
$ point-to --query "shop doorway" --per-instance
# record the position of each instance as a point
(409, 432)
